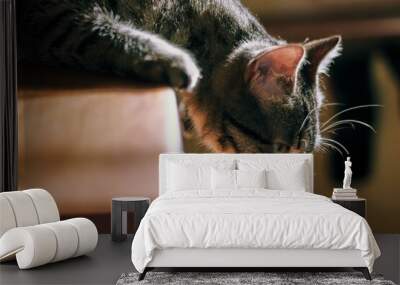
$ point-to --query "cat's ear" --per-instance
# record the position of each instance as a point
(274, 71)
(320, 54)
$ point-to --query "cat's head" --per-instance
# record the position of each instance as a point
(269, 97)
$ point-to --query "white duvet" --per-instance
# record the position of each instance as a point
(250, 219)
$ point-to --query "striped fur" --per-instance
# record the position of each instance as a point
(200, 48)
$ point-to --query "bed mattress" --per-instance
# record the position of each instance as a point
(250, 219)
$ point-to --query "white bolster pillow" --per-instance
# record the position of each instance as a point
(40, 244)
(87, 235)
(45, 206)
(7, 218)
(26, 208)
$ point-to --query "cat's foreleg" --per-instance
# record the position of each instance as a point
(147, 55)
(101, 40)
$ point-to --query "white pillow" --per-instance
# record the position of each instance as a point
(223, 179)
(294, 179)
(188, 177)
(237, 179)
(251, 179)
(204, 161)
(282, 174)
(193, 173)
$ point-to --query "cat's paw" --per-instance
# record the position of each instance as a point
(183, 73)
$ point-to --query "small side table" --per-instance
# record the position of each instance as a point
(119, 208)
(358, 205)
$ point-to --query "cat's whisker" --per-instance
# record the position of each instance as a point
(320, 148)
(312, 111)
(336, 143)
(334, 131)
(349, 121)
(333, 147)
(308, 129)
(347, 110)
(324, 149)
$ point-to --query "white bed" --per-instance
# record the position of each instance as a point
(249, 227)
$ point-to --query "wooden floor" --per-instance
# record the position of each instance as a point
(111, 259)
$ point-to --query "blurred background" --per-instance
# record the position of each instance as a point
(87, 138)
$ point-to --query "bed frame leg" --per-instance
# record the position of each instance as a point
(364, 271)
(143, 274)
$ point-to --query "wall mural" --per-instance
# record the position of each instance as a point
(104, 88)
(245, 91)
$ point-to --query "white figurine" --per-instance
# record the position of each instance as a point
(347, 174)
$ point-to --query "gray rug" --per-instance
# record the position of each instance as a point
(243, 278)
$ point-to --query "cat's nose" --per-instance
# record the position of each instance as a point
(296, 150)
(299, 147)
(280, 147)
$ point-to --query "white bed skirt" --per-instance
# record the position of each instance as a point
(192, 257)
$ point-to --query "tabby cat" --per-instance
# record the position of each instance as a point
(241, 89)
